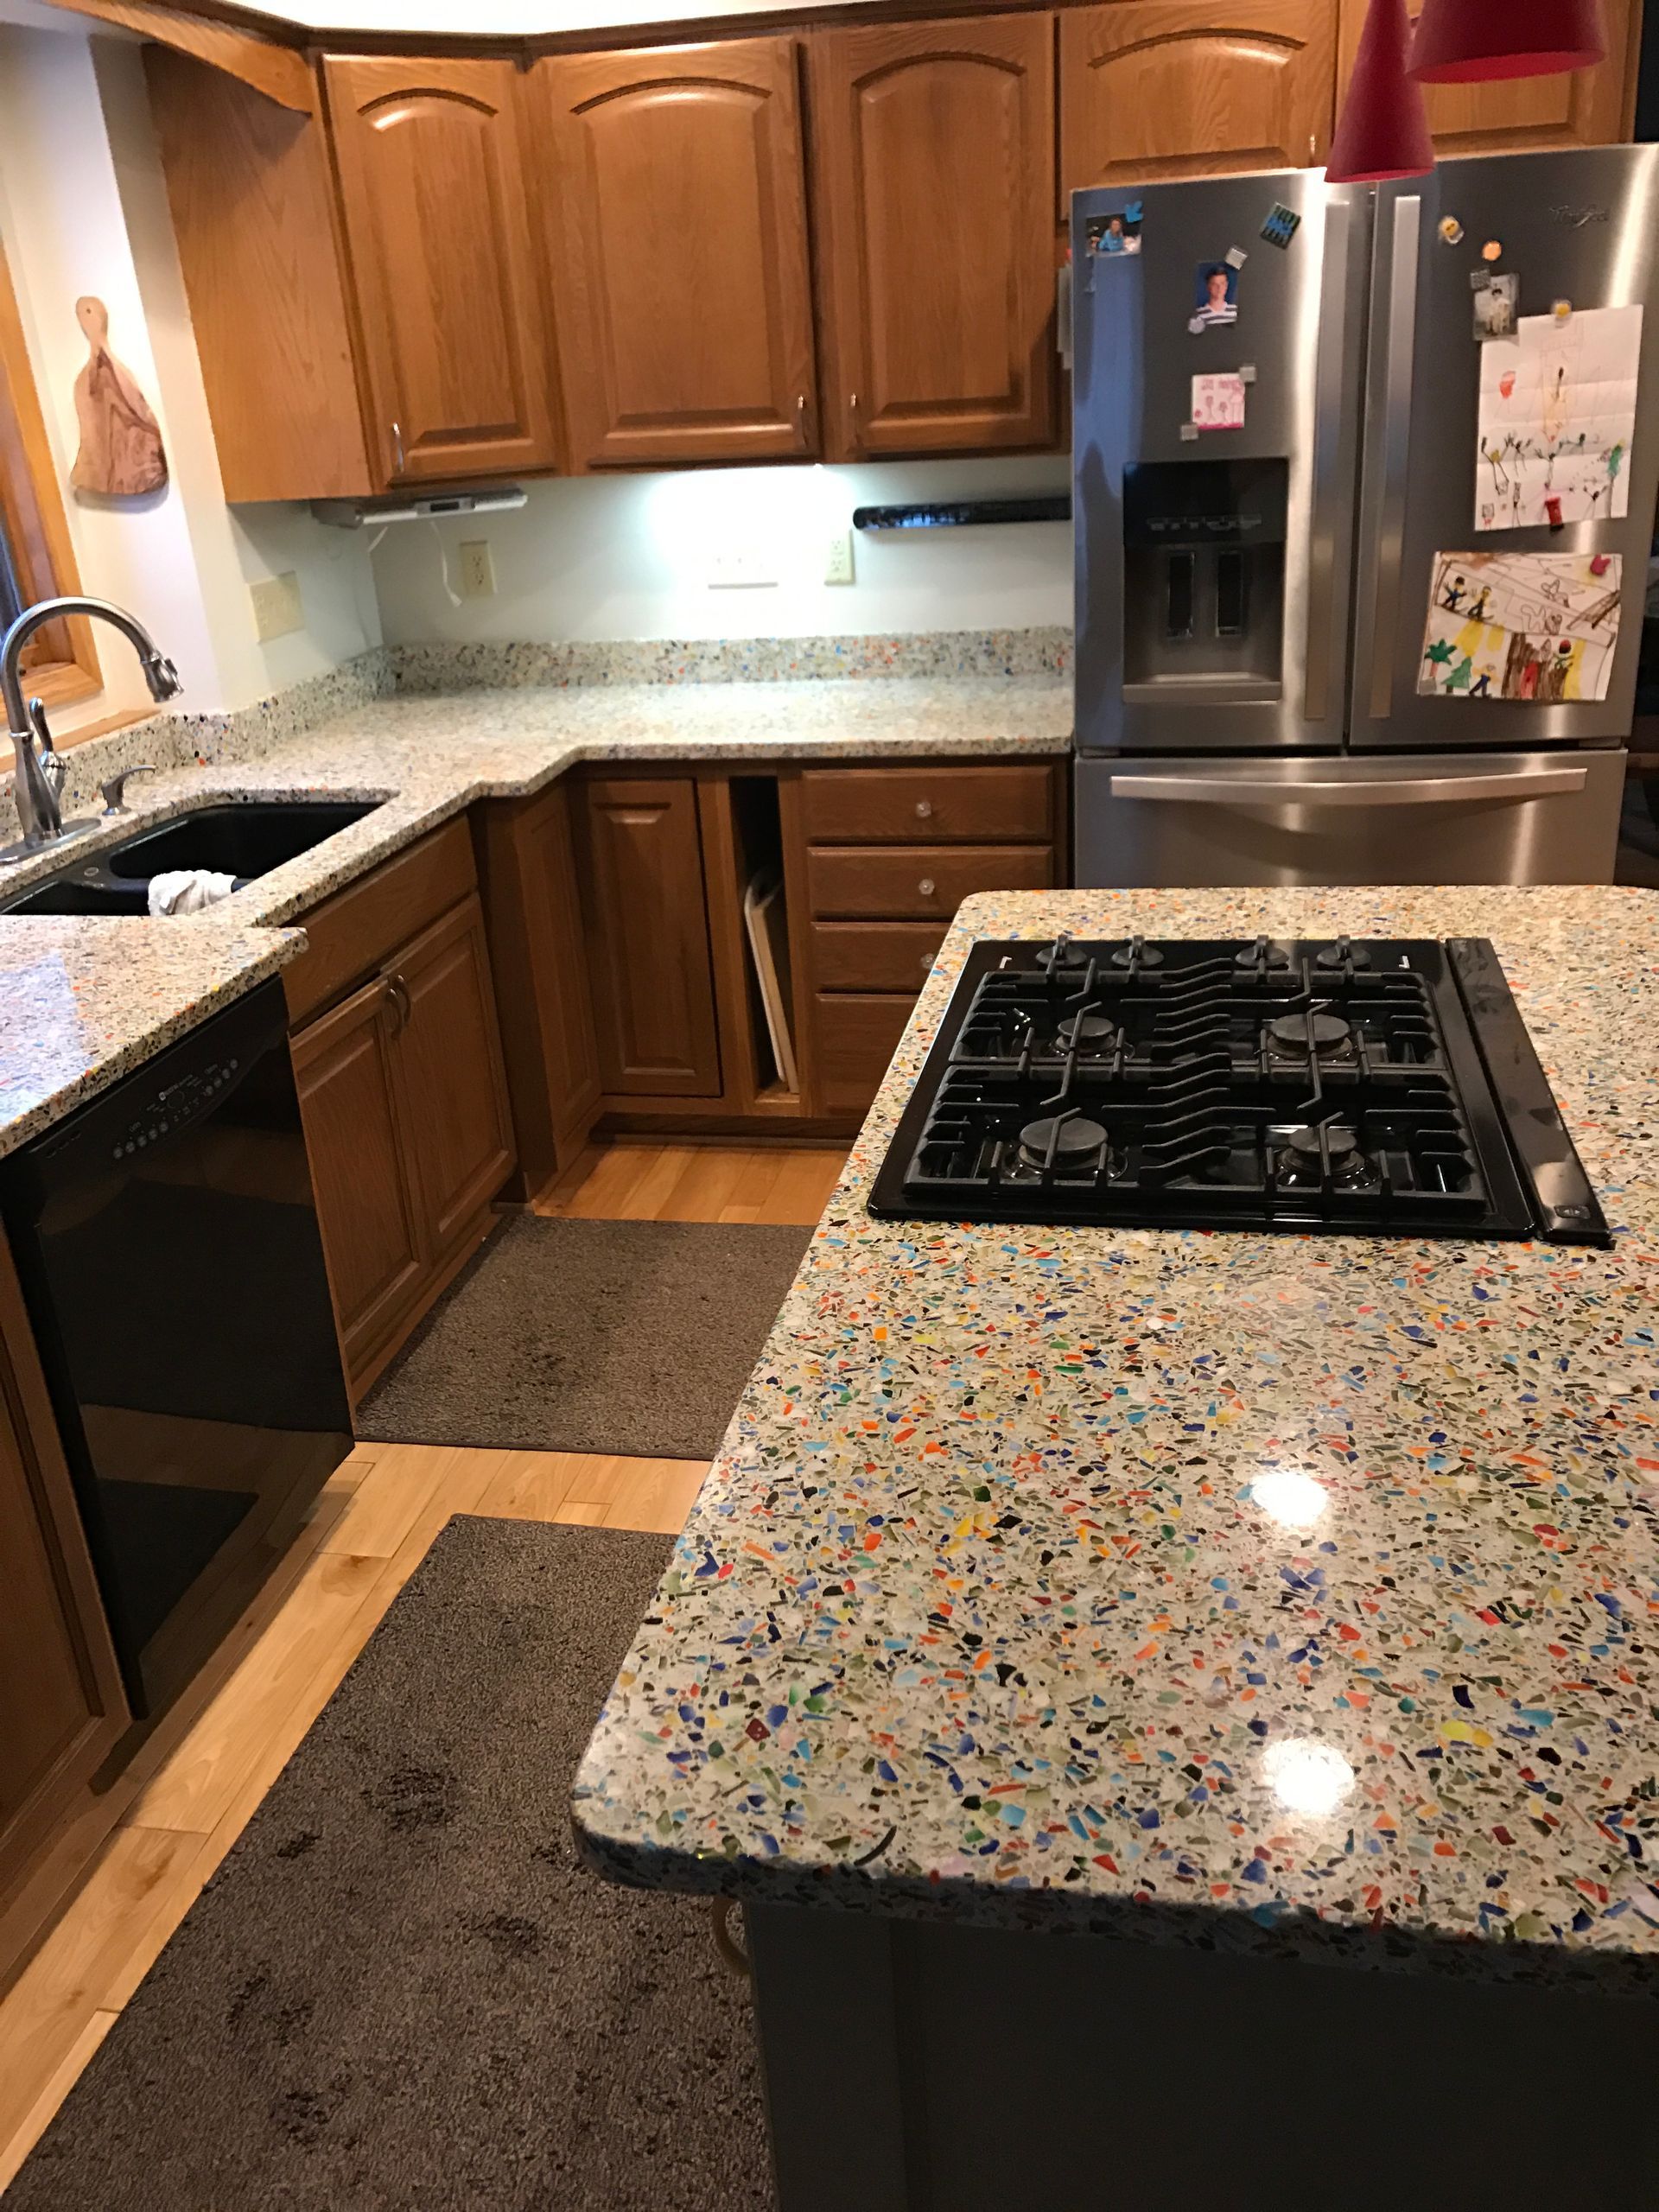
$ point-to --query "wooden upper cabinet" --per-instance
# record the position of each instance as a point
(677, 245)
(933, 150)
(433, 190)
(1518, 115)
(1157, 88)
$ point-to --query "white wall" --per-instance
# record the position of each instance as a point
(83, 208)
(629, 556)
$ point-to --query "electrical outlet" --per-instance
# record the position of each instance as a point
(838, 558)
(477, 569)
(276, 606)
(740, 568)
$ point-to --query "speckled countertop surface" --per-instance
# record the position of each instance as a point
(981, 1608)
(85, 1000)
(423, 760)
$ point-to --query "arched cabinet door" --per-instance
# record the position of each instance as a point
(678, 249)
(433, 187)
(1154, 89)
(933, 152)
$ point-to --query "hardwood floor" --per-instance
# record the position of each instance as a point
(200, 1777)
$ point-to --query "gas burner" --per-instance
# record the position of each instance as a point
(1086, 1032)
(1330, 1034)
(1302, 1162)
(1060, 957)
(1137, 953)
(1062, 1140)
(1264, 953)
(1344, 953)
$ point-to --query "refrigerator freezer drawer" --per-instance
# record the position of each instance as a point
(1503, 817)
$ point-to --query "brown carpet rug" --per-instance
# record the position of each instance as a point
(627, 1337)
(401, 1989)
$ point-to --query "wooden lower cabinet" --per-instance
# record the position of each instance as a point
(640, 859)
(62, 1709)
(408, 1130)
(857, 1033)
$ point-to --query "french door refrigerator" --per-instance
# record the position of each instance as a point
(1363, 510)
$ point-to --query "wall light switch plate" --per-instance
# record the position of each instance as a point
(276, 606)
(838, 558)
(742, 569)
(477, 569)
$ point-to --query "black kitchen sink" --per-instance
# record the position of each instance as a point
(242, 841)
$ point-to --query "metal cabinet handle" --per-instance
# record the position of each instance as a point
(925, 886)
(1415, 791)
(397, 448)
(398, 995)
(927, 963)
(923, 810)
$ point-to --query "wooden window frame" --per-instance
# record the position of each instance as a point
(61, 660)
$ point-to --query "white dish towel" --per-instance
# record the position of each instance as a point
(187, 890)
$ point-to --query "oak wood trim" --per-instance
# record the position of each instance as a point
(272, 67)
(61, 661)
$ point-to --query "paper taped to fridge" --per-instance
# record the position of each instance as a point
(1218, 401)
(1538, 627)
(1558, 419)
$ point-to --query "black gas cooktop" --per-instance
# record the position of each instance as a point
(1368, 1087)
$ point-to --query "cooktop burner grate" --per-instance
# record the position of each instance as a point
(1337, 1086)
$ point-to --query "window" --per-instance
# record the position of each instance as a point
(37, 560)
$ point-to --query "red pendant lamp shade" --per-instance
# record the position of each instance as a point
(1382, 132)
(1473, 42)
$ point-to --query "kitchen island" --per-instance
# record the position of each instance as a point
(1210, 1659)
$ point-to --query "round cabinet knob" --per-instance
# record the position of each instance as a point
(925, 886)
(923, 810)
(927, 963)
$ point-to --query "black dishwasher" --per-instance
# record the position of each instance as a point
(166, 1237)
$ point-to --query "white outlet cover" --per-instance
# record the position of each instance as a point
(742, 568)
(838, 558)
(277, 607)
(477, 569)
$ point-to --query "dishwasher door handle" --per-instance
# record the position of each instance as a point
(1403, 790)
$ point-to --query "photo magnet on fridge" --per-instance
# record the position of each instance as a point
(1495, 308)
(1114, 234)
(1215, 296)
(1282, 226)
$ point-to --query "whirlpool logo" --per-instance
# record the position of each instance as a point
(1576, 218)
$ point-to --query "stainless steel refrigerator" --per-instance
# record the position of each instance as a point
(1314, 424)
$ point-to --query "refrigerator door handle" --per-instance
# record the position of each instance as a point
(1383, 496)
(1327, 437)
(1417, 791)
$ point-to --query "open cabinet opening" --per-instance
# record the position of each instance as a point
(758, 841)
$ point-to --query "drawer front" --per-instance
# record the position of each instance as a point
(857, 1034)
(349, 934)
(855, 806)
(918, 883)
(874, 955)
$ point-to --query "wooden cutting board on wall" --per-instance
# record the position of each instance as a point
(121, 455)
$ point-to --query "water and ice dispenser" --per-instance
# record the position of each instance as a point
(1204, 579)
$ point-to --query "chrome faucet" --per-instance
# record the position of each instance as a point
(40, 776)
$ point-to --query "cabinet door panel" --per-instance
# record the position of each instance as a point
(647, 925)
(933, 147)
(448, 1056)
(679, 253)
(371, 1235)
(61, 1705)
(857, 1036)
(434, 190)
(1518, 115)
(1177, 88)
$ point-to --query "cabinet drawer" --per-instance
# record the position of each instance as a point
(349, 934)
(853, 806)
(874, 955)
(902, 883)
(857, 1033)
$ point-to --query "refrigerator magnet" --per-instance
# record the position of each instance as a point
(1115, 234)
(1495, 308)
(1451, 231)
(1282, 225)
(1215, 296)
(1218, 401)
(1235, 256)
